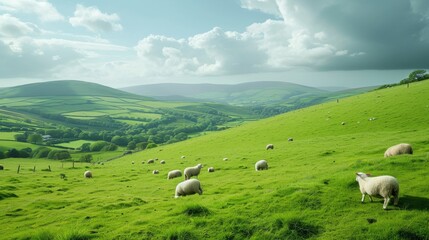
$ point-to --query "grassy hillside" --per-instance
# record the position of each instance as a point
(309, 191)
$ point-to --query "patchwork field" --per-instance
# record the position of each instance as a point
(308, 192)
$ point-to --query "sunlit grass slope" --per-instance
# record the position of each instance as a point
(309, 190)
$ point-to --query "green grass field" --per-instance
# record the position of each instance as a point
(309, 191)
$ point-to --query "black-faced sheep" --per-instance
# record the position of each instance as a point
(261, 165)
(188, 187)
(174, 174)
(402, 148)
(290, 139)
(211, 169)
(269, 146)
(150, 161)
(155, 172)
(381, 186)
(162, 161)
(192, 171)
(87, 174)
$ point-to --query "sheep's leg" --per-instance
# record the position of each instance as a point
(386, 202)
(370, 198)
(363, 197)
(396, 200)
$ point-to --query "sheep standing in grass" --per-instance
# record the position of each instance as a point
(402, 148)
(211, 169)
(155, 172)
(174, 174)
(150, 161)
(188, 187)
(162, 161)
(87, 174)
(269, 146)
(261, 165)
(381, 186)
(192, 171)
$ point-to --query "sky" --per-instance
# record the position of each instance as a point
(322, 43)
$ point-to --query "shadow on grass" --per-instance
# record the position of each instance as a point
(414, 203)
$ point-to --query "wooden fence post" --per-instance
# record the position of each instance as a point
(19, 166)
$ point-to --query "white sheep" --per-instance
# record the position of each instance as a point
(150, 161)
(188, 187)
(261, 165)
(381, 186)
(162, 161)
(155, 171)
(192, 171)
(211, 169)
(87, 174)
(174, 174)
(402, 148)
(269, 146)
(225, 159)
(290, 139)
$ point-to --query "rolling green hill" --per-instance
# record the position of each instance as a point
(65, 88)
(266, 93)
(308, 192)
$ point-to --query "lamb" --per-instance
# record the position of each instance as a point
(192, 171)
(381, 186)
(261, 165)
(87, 174)
(210, 169)
(290, 139)
(269, 146)
(174, 174)
(162, 161)
(155, 171)
(188, 187)
(402, 148)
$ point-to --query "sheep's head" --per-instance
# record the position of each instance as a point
(362, 175)
(199, 166)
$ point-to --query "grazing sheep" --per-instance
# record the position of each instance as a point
(1, 167)
(402, 148)
(182, 157)
(155, 172)
(210, 169)
(290, 139)
(225, 159)
(87, 174)
(343, 123)
(150, 161)
(269, 146)
(381, 186)
(261, 165)
(174, 174)
(192, 171)
(132, 162)
(188, 187)
(162, 161)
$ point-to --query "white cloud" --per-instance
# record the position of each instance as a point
(94, 20)
(266, 6)
(42, 8)
(12, 27)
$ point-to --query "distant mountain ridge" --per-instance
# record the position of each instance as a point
(269, 92)
(64, 88)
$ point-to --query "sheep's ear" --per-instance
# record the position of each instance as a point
(357, 174)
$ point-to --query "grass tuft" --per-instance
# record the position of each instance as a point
(302, 230)
(196, 210)
(4, 195)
